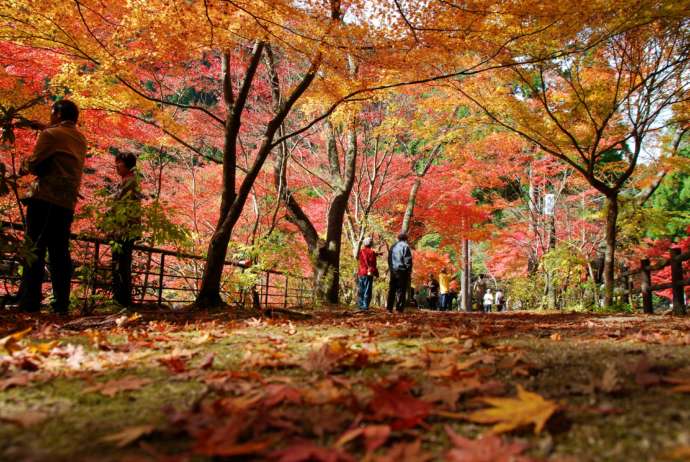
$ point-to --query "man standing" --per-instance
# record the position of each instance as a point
(444, 279)
(57, 162)
(400, 266)
(366, 273)
(125, 220)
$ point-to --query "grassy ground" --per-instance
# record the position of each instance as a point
(214, 386)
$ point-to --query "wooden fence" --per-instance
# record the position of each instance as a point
(645, 288)
(162, 276)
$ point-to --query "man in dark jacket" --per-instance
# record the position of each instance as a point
(400, 267)
(57, 162)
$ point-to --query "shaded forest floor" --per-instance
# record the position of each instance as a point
(342, 385)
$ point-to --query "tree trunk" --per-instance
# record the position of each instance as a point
(550, 273)
(233, 199)
(466, 282)
(411, 201)
(610, 254)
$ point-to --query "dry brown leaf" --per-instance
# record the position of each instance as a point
(113, 387)
(511, 413)
(129, 435)
(610, 380)
(25, 419)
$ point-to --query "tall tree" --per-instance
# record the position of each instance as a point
(596, 111)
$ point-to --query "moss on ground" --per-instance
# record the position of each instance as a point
(565, 356)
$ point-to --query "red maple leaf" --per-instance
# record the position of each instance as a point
(395, 401)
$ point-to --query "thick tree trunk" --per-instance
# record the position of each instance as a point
(610, 254)
(234, 199)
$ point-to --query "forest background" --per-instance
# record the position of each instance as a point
(284, 133)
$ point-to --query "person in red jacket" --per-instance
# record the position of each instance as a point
(366, 273)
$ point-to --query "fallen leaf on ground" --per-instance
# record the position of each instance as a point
(644, 376)
(680, 380)
(25, 419)
(375, 436)
(125, 320)
(394, 401)
(113, 387)
(207, 362)
(511, 413)
(224, 440)
(406, 452)
(306, 451)
(174, 364)
(610, 381)
(129, 435)
(15, 381)
(11, 342)
(490, 448)
(42, 348)
(679, 453)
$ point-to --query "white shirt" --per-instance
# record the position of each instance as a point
(488, 298)
(499, 297)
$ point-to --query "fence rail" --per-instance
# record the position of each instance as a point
(626, 281)
(162, 276)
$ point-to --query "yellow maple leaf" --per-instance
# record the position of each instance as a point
(511, 413)
(42, 348)
(11, 342)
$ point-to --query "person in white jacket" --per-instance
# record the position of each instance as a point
(488, 301)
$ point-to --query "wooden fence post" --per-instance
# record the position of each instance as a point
(625, 298)
(160, 280)
(285, 300)
(646, 286)
(94, 272)
(677, 281)
(268, 280)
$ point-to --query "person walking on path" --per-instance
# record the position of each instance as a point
(57, 162)
(124, 223)
(488, 301)
(444, 279)
(400, 267)
(366, 273)
(500, 300)
(432, 292)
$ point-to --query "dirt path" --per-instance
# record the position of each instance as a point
(347, 386)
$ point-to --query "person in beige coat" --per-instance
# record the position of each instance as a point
(57, 162)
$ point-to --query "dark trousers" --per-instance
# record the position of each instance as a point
(432, 302)
(47, 229)
(397, 289)
(365, 284)
(122, 271)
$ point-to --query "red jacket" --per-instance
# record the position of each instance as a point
(367, 262)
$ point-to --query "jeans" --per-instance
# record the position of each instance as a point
(397, 289)
(487, 308)
(365, 284)
(122, 272)
(47, 229)
(444, 302)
